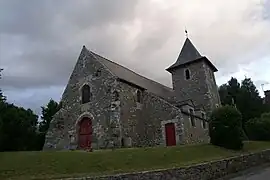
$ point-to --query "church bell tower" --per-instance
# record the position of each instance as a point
(193, 78)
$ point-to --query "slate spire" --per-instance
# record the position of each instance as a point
(189, 54)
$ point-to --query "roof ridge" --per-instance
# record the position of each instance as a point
(130, 70)
(94, 55)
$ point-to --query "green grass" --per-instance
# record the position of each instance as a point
(47, 165)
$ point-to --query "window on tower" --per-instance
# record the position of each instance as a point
(187, 74)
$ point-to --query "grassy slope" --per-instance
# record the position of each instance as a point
(44, 165)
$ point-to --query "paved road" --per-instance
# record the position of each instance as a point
(253, 174)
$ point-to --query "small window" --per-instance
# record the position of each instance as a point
(98, 73)
(204, 124)
(139, 96)
(203, 116)
(192, 119)
(115, 96)
(86, 94)
(187, 74)
(210, 73)
(203, 121)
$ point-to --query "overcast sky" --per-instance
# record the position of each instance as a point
(40, 41)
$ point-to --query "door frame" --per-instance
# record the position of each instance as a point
(170, 127)
(77, 126)
(176, 127)
(88, 135)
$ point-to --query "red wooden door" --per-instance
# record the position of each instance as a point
(170, 134)
(85, 133)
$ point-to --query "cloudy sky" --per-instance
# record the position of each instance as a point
(40, 40)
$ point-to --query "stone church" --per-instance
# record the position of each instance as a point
(106, 105)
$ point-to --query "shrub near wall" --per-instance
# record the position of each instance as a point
(225, 128)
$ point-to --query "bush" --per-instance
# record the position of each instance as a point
(259, 128)
(225, 128)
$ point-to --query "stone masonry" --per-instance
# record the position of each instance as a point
(129, 110)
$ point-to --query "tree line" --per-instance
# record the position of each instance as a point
(21, 130)
(243, 116)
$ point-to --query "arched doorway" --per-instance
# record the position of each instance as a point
(85, 133)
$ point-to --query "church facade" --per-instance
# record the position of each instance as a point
(107, 105)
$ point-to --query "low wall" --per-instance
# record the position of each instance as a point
(203, 171)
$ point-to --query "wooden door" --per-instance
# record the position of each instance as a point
(170, 134)
(85, 133)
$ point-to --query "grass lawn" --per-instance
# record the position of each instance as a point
(47, 165)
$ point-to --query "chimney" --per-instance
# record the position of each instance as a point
(267, 97)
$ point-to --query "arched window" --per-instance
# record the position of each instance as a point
(115, 96)
(187, 74)
(139, 96)
(86, 94)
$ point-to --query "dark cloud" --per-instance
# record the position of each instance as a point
(44, 31)
(40, 40)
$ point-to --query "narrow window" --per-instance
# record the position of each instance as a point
(139, 96)
(192, 120)
(203, 121)
(86, 94)
(210, 73)
(187, 74)
(98, 73)
(203, 116)
(122, 142)
(115, 96)
(204, 124)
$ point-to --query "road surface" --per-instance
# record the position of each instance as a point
(260, 173)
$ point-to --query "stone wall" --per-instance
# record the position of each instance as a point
(64, 124)
(143, 122)
(131, 112)
(196, 134)
(213, 95)
(201, 87)
(203, 171)
(122, 120)
(156, 113)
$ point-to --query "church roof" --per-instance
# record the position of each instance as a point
(127, 75)
(189, 54)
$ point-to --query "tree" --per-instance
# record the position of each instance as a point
(47, 115)
(259, 128)
(250, 103)
(18, 128)
(2, 97)
(229, 92)
(245, 97)
(225, 127)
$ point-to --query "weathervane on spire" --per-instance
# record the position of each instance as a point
(186, 32)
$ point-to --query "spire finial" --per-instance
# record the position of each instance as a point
(186, 32)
